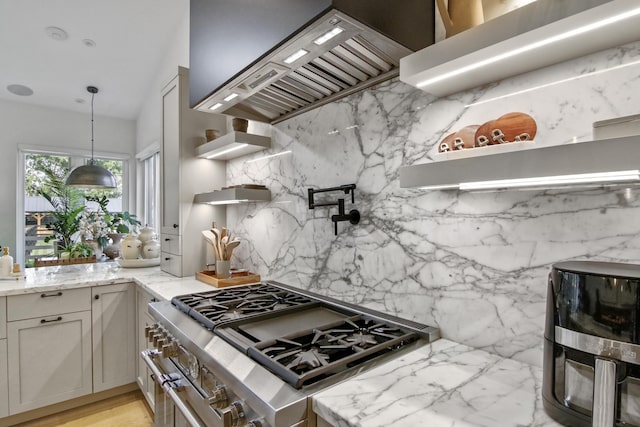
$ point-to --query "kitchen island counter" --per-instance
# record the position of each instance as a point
(160, 284)
(441, 384)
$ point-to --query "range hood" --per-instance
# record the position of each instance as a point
(349, 46)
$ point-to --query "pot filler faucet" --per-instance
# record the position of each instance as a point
(353, 216)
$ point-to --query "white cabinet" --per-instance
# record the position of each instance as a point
(113, 332)
(145, 382)
(4, 384)
(3, 317)
(183, 175)
(4, 390)
(49, 358)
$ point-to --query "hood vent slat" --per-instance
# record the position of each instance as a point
(353, 58)
(348, 68)
(341, 74)
(311, 83)
(297, 89)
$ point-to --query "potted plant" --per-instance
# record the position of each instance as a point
(117, 224)
(68, 204)
(77, 250)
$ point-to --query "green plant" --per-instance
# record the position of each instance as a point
(67, 203)
(117, 222)
(79, 250)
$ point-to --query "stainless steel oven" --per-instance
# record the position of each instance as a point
(253, 356)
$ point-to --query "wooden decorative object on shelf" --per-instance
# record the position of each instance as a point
(240, 278)
(71, 261)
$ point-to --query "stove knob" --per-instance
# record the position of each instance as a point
(218, 397)
(147, 329)
(161, 343)
(156, 337)
(237, 414)
(255, 423)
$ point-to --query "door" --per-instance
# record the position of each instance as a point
(114, 342)
(49, 360)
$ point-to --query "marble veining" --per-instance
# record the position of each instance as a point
(442, 384)
(473, 264)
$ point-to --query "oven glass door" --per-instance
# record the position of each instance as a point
(170, 408)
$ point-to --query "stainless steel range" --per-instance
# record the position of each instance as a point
(254, 355)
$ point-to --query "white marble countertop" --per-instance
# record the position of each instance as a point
(160, 284)
(440, 384)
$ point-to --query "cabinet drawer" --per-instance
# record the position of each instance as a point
(171, 243)
(3, 317)
(48, 303)
(171, 263)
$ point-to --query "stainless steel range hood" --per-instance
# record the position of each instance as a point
(363, 51)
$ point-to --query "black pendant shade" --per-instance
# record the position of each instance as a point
(91, 175)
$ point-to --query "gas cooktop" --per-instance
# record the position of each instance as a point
(300, 337)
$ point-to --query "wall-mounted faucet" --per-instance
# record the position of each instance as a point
(353, 216)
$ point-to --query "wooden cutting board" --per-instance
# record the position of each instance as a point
(236, 279)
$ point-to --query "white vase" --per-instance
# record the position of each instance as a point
(130, 247)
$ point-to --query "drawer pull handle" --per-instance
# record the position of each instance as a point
(175, 225)
(57, 319)
(167, 239)
(57, 294)
(167, 259)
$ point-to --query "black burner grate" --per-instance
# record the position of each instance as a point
(215, 307)
(306, 357)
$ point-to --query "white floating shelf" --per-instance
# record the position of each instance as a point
(539, 34)
(232, 145)
(232, 196)
(590, 163)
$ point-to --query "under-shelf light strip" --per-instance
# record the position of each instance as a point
(228, 202)
(228, 150)
(532, 46)
(269, 156)
(585, 178)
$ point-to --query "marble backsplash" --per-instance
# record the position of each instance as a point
(475, 264)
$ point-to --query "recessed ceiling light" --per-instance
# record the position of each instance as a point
(88, 43)
(56, 33)
(20, 90)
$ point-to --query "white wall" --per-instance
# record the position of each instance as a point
(47, 127)
(149, 124)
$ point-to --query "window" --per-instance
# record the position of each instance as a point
(47, 200)
(149, 188)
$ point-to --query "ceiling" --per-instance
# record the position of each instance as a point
(130, 38)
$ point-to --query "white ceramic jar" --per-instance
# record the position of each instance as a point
(146, 234)
(151, 249)
(130, 247)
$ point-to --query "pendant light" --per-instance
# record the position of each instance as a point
(91, 175)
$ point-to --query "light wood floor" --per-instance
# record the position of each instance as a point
(129, 409)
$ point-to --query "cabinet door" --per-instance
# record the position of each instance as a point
(170, 155)
(145, 382)
(3, 317)
(4, 385)
(113, 331)
(49, 360)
